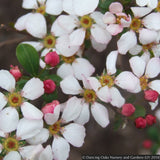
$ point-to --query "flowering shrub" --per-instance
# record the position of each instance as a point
(56, 63)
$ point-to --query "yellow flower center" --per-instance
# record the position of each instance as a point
(10, 144)
(106, 80)
(147, 46)
(89, 95)
(118, 19)
(86, 22)
(41, 9)
(68, 59)
(143, 82)
(15, 99)
(55, 128)
(136, 24)
(158, 7)
(49, 41)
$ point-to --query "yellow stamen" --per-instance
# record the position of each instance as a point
(158, 7)
(49, 41)
(11, 144)
(15, 99)
(89, 95)
(86, 21)
(55, 128)
(147, 46)
(118, 19)
(136, 24)
(143, 82)
(106, 80)
(68, 59)
(41, 9)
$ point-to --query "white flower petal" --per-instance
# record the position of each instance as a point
(7, 81)
(77, 37)
(155, 85)
(99, 47)
(68, 7)
(140, 11)
(117, 99)
(84, 7)
(9, 119)
(12, 155)
(135, 50)
(116, 7)
(100, 35)
(60, 148)
(109, 18)
(37, 45)
(153, 104)
(111, 62)
(46, 154)
(72, 109)
(100, 114)
(137, 65)
(84, 116)
(70, 85)
(3, 100)
(30, 4)
(157, 114)
(28, 128)
(36, 25)
(126, 42)
(54, 7)
(29, 111)
(74, 134)
(114, 29)
(142, 2)
(39, 138)
(82, 66)
(153, 68)
(33, 89)
(153, 4)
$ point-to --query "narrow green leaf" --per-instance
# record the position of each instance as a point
(28, 57)
(139, 112)
(153, 134)
(154, 149)
(118, 122)
(50, 97)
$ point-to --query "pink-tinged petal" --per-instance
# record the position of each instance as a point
(153, 68)
(98, 18)
(28, 128)
(109, 18)
(9, 119)
(100, 114)
(99, 47)
(140, 11)
(70, 85)
(37, 45)
(68, 7)
(114, 29)
(77, 37)
(147, 36)
(29, 111)
(63, 46)
(111, 62)
(100, 35)
(116, 7)
(91, 83)
(82, 66)
(54, 7)
(141, 2)
(137, 65)
(30, 4)
(155, 85)
(60, 148)
(126, 42)
(12, 155)
(52, 118)
(84, 116)
(65, 70)
(67, 22)
(153, 4)
(117, 99)
(31, 151)
(127, 80)
(152, 21)
(36, 25)
(84, 7)
(21, 22)
(135, 50)
(46, 154)
(3, 100)
(33, 89)
(72, 110)
(39, 138)
(153, 104)
(74, 134)
(7, 81)
(104, 94)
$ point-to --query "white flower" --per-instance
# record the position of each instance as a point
(150, 3)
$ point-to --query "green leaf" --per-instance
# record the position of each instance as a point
(154, 149)
(28, 57)
(50, 97)
(104, 5)
(131, 99)
(118, 122)
(139, 112)
(21, 83)
(154, 134)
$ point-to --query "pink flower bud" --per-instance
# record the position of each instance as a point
(147, 144)
(140, 122)
(52, 59)
(151, 95)
(15, 72)
(49, 107)
(128, 109)
(150, 119)
(49, 86)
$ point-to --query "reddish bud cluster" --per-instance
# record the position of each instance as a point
(128, 109)
(151, 95)
(147, 144)
(15, 72)
(49, 86)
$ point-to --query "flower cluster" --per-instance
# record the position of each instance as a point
(57, 62)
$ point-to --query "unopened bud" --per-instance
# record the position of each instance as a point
(151, 95)
(49, 86)
(15, 72)
(147, 144)
(140, 122)
(150, 119)
(128, 109)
